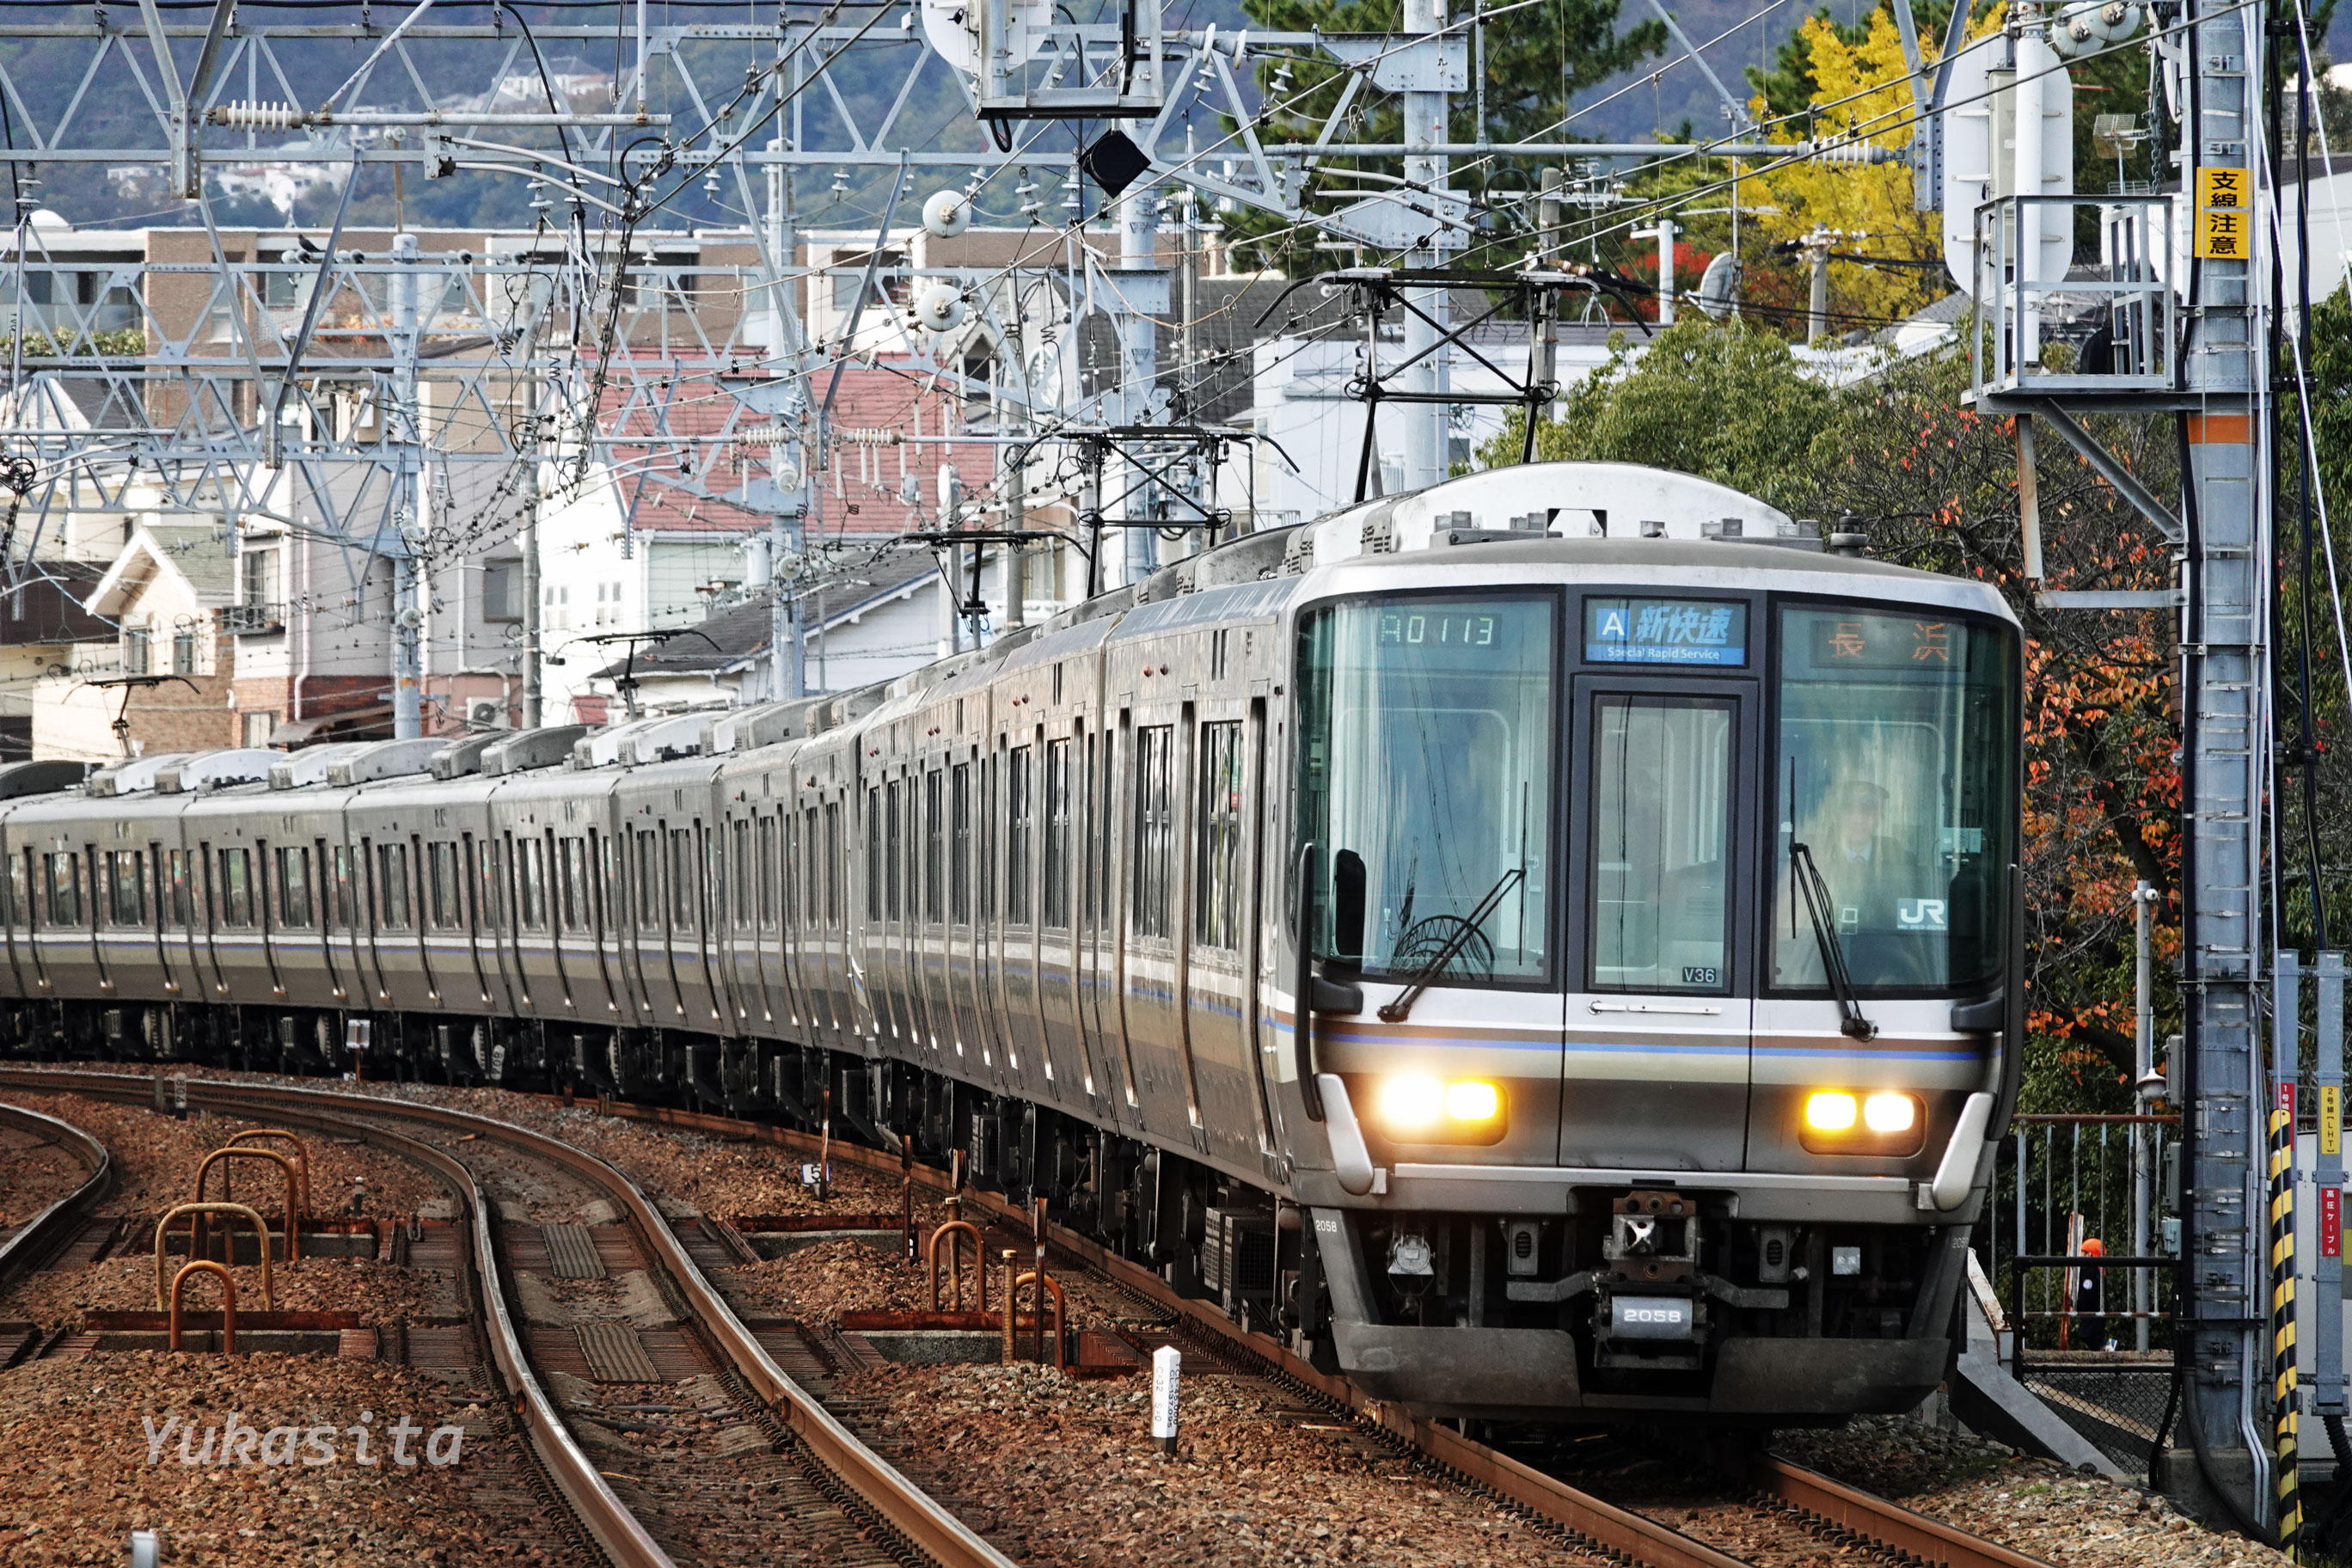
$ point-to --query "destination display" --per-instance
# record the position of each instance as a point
(1665, 631)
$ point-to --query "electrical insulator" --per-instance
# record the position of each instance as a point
(243, 116)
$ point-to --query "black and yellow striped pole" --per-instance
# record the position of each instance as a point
(2285, 1433)
(2286, 1068)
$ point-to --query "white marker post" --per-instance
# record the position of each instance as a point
(1166, 1371)
(146, 1549)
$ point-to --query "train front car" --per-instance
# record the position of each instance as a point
(1662, 902)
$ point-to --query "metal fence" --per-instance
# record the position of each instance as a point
(2062, 1183)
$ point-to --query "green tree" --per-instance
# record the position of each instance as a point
(1727, 403)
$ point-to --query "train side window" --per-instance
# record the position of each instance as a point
(987, 845)
(179, 894)
(1661, 832)
(392, 885)
(739, 871)
(293, 886)
(236, 888)
(1019, 831)
(811, 881)
(530, 883)
(1106, 828)
(345, 893)
(64, 880)
(648, 893)
(1057, 831)
(934, 848)
(894, 851)
(682, 878)
(1155, 830)
(874, 853)
(834, 849)
(127, 873)
(1216, 875)
(571, 854)
(606, 851)
(12, 893)
(441, 884)
(959, 850)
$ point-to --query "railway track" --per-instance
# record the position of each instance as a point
(1604, 1505)
(753, 1470)
(1795, 1513)
(27, 1246)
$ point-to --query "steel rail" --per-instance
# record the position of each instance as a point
(1931, 1541)
(899, 1501)
(40, 1236)
(603, 1515)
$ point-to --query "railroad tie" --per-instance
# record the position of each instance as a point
(571, 1252)
(615, 1355)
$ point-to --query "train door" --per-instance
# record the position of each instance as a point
(161, 886)
(1157, 932)
(1220, 976)
(1067, 1067)
(1656, 1033)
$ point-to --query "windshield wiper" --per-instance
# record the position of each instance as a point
(1817, 904)
(1397, 1011)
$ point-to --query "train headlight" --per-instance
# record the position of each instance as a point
(1409, 1105)
(1890, 1113)
(1829, 1111)
(1471, 1100)
(1413, 1108)
(1860, 1122)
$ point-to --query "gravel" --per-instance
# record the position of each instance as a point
(156, 1157)
(379, 1292)
(84, 1426)
(1062, 1471)
(2033, 1506)
(32, 1176)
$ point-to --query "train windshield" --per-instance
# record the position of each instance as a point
(1896, 752)
(1426, 730)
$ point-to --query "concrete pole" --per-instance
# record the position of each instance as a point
(1666, 272)
(2224, 663)
(1424, 425)
(531, 688)
(1817, 305)
(407, 498)
(1138, 247)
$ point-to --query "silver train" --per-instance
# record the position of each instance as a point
(1656, 869)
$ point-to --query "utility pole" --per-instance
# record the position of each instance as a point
(407, 499)
(1425, 423)
(1817, 308)
(1666, 272)
(1543, 341)
(532, 686)
(1138, 250)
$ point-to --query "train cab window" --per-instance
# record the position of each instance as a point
(126, 875)
(1019, 831)
(959, 850)
(1057, 831)
(293, 886)
(1155, 831)
(1425, 750)
(392, 885)
(235, 889)
(1217, 839)
(934, 848)
(683, 881)
(64, 880)
(444, 907)
(1662, 771)
(834, 849)
(1898, 751)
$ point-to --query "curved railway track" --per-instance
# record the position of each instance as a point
(25, 1246)
(755, 1442)
(1790, 1514)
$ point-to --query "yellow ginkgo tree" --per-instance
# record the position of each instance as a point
(1860, 93)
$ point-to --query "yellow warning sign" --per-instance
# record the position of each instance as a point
(2224, 214)
(2222, 188)
(2331, 1118)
